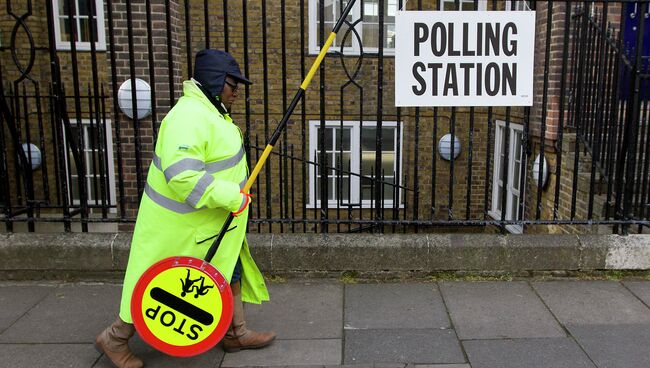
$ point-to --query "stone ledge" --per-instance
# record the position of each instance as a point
(105, 253)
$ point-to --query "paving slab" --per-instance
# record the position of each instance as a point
(592, 302)
(402, 346)
(615, 346)
(47, 355)
(377, 306)
(490, 310)
(528, 353)
(370, 365)
(300, 310)
(288, 353)
(72, 313)
(16, 300)
(641, 289)
(153, 358)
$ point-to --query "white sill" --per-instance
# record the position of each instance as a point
(65, 46)
(513, 229)
(364, 206)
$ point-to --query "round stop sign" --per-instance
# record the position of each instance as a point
(182, 306)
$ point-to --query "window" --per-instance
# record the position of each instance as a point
(98, 159)
(82, 21)
(352, 149)
(464, 5)
(514, 181)
(367, 28)
(520, 5)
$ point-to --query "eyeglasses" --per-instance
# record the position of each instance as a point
(233, 86)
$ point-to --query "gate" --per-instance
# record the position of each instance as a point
(576, 161)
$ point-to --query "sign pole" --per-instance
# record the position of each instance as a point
(282, 125)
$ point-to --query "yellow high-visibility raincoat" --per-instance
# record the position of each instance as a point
(193, 184)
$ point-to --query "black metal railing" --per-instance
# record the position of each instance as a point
(378, 165)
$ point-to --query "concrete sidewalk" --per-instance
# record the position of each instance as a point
(446, 324)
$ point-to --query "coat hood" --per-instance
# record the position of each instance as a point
(211, 68)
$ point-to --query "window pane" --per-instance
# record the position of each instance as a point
(330, 188)
(91, 188)
(65, 29)
(342, 137)
(370, 35)
(516, 175)
(345, 165)
(371, 11)
(367, 162)
(74, 187)
(83, 7)
(332, 10)
(514, 208)
(389, 34)
(499, 197)
(343, 188)
(329, 138)
(389, 188)
(369, 139)
(72, 164)
(339, 36)
(388, 139)
(517, 137)
(387, 164)
(449, 5)
(328, 161)
(391, 9)
(84, 30)
(63, 7)
(366, 185)
(328, 10)
(502, 165)
(467, 6)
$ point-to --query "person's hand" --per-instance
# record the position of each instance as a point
(246, 200)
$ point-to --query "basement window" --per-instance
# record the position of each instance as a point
(97, 150)
(350, 149)
(515, 181)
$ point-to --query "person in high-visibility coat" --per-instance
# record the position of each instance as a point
(194, 182)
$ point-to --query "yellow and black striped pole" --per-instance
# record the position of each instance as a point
(282, 124)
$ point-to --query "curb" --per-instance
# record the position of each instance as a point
(28, 255)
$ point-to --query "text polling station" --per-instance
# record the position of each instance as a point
(463, 58)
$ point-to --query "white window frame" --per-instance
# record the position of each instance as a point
(100, 45)
(355, 164)
(111, 166)
(510, 190)
(355, 49)
(482, 4)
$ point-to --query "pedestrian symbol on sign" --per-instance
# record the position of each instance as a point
(188, 285)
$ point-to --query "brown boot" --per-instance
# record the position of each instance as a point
(113, 342)
(238, 336)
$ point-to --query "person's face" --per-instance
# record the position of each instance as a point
(230, 92)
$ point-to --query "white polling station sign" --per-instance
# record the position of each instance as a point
(462, 58)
